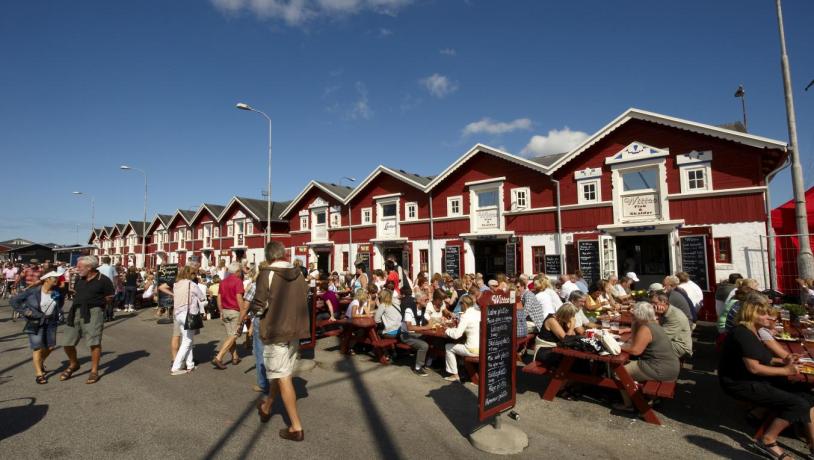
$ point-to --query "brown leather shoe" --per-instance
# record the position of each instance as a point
(292, 435)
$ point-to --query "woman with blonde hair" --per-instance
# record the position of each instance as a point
(554, 330)
(749, 372)
(546, 295)
(187, 299)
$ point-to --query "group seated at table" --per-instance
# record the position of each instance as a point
(750, 371)
(469, 326)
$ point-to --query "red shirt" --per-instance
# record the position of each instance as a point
(228, 291)
(394, 277)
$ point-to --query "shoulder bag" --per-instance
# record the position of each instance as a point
(193, 321)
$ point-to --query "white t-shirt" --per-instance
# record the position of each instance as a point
(545, 301)
(47, 304)
(582, 320)
(10, 273)
(693, 291)
(567, 288)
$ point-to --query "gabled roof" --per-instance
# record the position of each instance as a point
(478, 148)
(97, 232)
(257, 208)
(107, 231)
(692, 126)
(214, 209)
(185, 214)
(163, 219)
(339, 192)
(137, 226)
(548, 160)
(116, 228)
(416, 180)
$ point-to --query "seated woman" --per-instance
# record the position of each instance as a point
(747, 371)
(330, 299)
(388, 315)
(726, 320)
(649, 342)
(554, 330)
(437, 309)
(469, 325)
(358, 307)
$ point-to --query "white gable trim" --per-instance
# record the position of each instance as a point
(638, 114)
(242, 205)
(381, 169)
(485, 149)
(304, 191)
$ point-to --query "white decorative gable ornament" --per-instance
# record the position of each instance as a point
(637, 151)
(319, 202)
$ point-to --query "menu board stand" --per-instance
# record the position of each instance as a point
(498, 376)
(452, 261)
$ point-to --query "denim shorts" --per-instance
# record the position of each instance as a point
(46, 337)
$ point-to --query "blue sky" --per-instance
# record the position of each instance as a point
(351, 84)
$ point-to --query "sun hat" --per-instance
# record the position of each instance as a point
(632, 275)
(52, 274)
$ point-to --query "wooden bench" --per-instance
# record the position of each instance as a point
(535, 368)
(380, 345)
(472, 366)
(657, 389)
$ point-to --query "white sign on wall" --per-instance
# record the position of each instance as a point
(640, 206)
(387, 229)
(488, 219)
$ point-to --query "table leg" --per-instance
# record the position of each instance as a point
(344, 339)
(559, 379)
(628, 385)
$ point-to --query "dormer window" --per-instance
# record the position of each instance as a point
(695, 170)
(588, 185)
(520, 198)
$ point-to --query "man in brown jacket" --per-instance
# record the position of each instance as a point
(283, 291)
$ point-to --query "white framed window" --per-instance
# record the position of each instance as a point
(335, 219)
(216, 232)
(411, 211)
(367, 215)
(696, 171)
(520, 198)
(229, 228)
(588, 191)
(249, 227)
(303, 222)
(189, 235)
(200, 234)
(455, 206)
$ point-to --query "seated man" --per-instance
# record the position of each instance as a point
(469, 325)
(579, 299)
(674, 322)
(412, 312)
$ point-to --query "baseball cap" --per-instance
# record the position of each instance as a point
(493, 283)
(632, 275)
(655, 287)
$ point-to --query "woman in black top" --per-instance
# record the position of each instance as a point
(130, 289)
(748, 371)
(554, 330)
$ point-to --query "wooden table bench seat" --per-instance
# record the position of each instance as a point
(659, 389)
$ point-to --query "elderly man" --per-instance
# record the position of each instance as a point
(412, 313)
(230, 303)
(567, 286)
(675, 324)
(678, 298)
(86, 317)
(282, 292)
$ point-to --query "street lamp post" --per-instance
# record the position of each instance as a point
(350, 227)
(92, 209)
(242, 106)
(741, 93)
(144, 221)
(805, 259)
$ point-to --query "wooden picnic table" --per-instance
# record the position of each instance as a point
(802, 348)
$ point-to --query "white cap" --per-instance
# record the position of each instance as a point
(52, 274)
(493, 283)
(632, 276)
(655, 287)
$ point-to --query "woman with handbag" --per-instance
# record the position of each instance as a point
(187, 299)
(41, 306)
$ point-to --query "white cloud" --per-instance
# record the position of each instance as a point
(298, 12)
(385, 32)
(557, 141)
(489, 126)
(361, 108)
(439, 85)
(448, 51)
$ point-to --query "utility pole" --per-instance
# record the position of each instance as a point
(805, 259)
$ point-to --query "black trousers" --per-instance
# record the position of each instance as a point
(791, 404)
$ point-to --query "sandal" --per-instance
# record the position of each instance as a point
(767, 449)
(264, 417)
(93, 377)
(40, 379)
(236, 361)
(67, 373)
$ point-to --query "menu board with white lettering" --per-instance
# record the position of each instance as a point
(497, 386)
(511, 259)
(589, 260)
(364, 258)
(694, 259)
(167, 274)
(452, 261)
(553, 264)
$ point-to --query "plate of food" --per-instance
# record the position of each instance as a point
(785, 337)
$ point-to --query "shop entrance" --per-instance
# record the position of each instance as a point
(490, 258)
(397, 252)
(647, 256)
(323, 263)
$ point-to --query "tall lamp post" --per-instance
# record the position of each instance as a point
(92, 209)
(741, 93)
(805, 259)
(350, 227)
(144, 221)
(242, 106)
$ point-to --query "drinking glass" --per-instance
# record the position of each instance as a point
(605, 323)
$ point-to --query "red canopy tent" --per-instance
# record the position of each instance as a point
(787, 243)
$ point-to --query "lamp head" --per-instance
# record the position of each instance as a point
(124, 167)
(740, 92)
(242, 106)
(77, 193)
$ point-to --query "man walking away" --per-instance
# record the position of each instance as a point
(230, 294)
(86, 317)
(283, 290)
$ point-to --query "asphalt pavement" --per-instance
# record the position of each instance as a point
(351, 407)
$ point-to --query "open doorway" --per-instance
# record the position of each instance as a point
(647, 256)
(397, 252)
(324, 263)
(490, 258)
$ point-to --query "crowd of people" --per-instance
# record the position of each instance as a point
(752, 367)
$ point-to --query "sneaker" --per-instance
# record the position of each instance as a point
(421, 372)
(179, 372)
(450, 378)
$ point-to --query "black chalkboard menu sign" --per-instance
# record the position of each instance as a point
(167, 274)
(694, 259)
(452, 261)
(364, 258)
(511, 259)
(497, 386)
(589, 260)
(553, 265)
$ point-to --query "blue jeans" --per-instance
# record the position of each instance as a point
(257, 348)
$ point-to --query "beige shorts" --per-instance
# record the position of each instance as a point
(230, 321)
(91, 331)
(280, 359)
